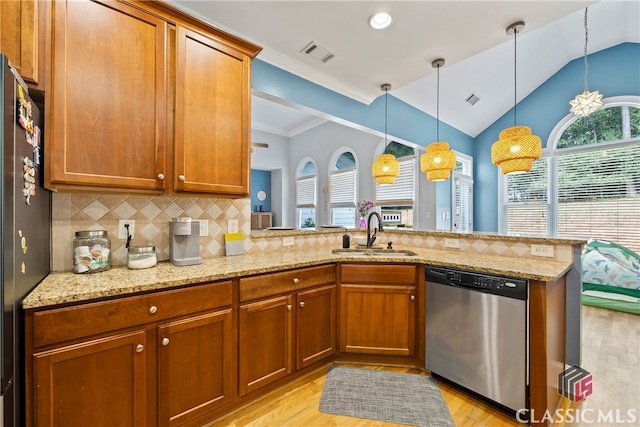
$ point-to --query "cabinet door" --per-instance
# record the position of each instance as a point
(106, 108)
(265, 342)
(212, 128)
(20, 35)
(94, 383)
(195, 366)
(315, 325)
(377, 319)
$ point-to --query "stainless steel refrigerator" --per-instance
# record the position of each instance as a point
(25, 230)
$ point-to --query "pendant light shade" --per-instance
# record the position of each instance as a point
(439, 160)
(517, 148)
(586, 102)
(386, 167)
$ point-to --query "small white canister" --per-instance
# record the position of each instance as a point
(140, 257)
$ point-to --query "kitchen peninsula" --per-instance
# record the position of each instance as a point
(152, 325)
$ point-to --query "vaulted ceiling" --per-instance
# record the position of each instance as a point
(469, 35)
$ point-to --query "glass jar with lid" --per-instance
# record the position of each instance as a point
(91, 251)
(140, 257)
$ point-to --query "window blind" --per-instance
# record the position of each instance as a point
(599, 194)
(306, 192)
(528, 200)
(463, 204)
(402, 191)
(342, 187)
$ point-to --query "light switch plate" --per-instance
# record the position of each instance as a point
(451, 243)
(542, 250)
(204, 227)
(232, 226)
(288, 241)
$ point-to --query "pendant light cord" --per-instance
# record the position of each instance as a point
(438, 105)
(586, 41)
(386, 97)
(515, 77)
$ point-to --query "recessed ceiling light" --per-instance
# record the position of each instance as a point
(380, 20)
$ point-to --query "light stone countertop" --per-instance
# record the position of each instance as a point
(68, 287)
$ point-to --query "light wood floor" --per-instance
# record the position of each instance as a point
(611, 345)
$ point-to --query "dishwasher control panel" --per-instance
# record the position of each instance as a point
(500, 285)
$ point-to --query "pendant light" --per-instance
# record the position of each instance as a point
(439, 160)
(386, 167)
(587, 102)
(517, 148)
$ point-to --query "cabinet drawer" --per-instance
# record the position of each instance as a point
(372, 273)
(287, 281)
(68, 323)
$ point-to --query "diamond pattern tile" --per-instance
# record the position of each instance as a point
(124, 210)
(150, 210)
(498, 247)
(95, 210)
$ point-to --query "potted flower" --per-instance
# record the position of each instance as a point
(364, 207)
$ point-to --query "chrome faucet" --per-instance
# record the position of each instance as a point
(370, 238)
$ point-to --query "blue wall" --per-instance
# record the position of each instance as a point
(404, 121)
(613, 72)
(260, 180)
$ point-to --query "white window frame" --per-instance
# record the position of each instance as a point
(465, 177)
(307, 203)
(552, 153)
(347, 200)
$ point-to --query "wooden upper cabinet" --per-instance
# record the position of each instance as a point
(106, 105)
(20, 37)
(212, 127)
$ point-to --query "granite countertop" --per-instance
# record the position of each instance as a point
(67, 287)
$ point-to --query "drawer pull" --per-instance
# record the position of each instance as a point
(302, 304)
(139, 348)
(165, 341)
(289, 307)
(153, 309)
(413, 297)
(160, 176)
(296, 280)
(181, 178)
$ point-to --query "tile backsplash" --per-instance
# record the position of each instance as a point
(73, 212)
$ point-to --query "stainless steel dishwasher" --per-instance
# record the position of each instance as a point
(477, 333)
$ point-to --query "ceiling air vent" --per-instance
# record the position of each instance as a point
(318, 52)
(472, 99)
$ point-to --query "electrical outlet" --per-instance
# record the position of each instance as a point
(122, 231)
(232, 226)
(288, 241)
(204, 227)
(542, 250)
(452, 243)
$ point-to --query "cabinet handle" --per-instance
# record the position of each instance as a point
(139, 348)
(302, 304)
(153, 309)
(165, 341)
(289, 307)
(296, 280)
(413, 297)
(160, 176)
(181, 178)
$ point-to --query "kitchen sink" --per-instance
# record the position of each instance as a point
(368, 252)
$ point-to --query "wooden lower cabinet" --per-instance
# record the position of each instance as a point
(296, 327)
(315, 325)
(265, 342)
(101, 382)
(378, 311)
(171, 364)
(195, 360)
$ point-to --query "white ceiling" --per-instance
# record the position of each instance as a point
(469, 35)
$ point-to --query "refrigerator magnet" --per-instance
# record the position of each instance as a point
(23, 268)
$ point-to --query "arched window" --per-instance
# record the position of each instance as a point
(587, 184)
(342, 188)
(306, 189)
